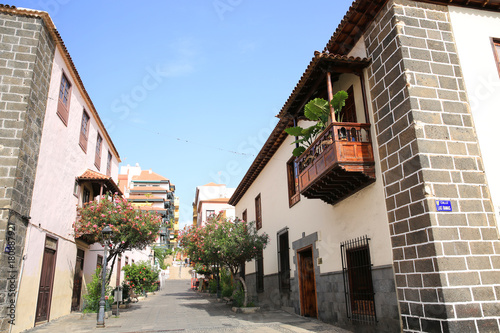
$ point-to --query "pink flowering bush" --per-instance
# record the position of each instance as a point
(132, 228)
(222, 241)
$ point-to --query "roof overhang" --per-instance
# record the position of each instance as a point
(362, 12)
(315, 74)
(276, 138)
(99, 178)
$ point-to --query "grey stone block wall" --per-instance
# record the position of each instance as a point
(331, 299)
(26, 57)
(446, 264)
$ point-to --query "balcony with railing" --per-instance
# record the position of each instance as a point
(338, 163)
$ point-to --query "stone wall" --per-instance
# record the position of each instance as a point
(446, 264)
(26, 57)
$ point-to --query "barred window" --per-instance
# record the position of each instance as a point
(259, 267)
(358, 284)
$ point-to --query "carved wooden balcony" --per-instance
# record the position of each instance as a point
(338, 163)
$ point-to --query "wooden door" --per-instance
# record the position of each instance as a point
(46, 283)
(77, 281)
(307, 284)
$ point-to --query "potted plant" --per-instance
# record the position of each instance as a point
(317, 110)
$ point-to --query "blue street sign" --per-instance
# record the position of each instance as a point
(443, 206)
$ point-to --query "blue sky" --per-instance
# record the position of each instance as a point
(190, 89)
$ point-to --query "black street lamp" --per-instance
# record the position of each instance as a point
(106, 234)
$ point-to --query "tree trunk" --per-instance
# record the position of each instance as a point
(112, 265)
(245, 300)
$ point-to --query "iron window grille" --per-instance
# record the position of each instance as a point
(358, 283)
(283, 261)
(259, 267)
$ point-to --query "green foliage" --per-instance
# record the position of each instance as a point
(338, 102)
(161, 254)
(125, 291)
(223, 241)
(202, 269)
(226, 283)
(212, 286)
(317, 110)
(141, 277)
(238, 298)
(93, 295)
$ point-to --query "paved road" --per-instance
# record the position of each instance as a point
(179, 309)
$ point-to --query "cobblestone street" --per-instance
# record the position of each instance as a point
(179, 309)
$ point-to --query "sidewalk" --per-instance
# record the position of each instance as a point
(179, 309)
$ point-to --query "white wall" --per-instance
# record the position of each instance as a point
(472, 30)
(364, 213)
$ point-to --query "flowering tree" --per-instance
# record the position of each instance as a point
(132, 229)
(223, 241)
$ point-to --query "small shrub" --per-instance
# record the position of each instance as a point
(141, 277)
(227, 291)
(212, 286)
(93, 296)
(238, 298)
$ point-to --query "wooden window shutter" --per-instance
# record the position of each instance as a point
(348, 113)
(258, 213)
(98, 147)
(84, 131)
(63, 100)
(108, 166)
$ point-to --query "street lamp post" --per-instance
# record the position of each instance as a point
(106, 233)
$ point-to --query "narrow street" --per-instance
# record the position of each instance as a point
(179, 309)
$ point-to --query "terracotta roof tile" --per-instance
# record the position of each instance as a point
(90, 175)
(146, 175)
(312, 73)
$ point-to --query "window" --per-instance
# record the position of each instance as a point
(244, 216)
(98, 147)
(210, 213)
(108, 166)
(99, 261)
(348, 113)
(133, 261)
(75, 188)
(283, 261)
(496, 50)
(259, 269)
(86, 195)
(293, 181)
(126, 261)
(258, 213)
(84, 131)
(63, 101)
(358, 284)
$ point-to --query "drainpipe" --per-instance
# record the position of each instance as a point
(330, 94)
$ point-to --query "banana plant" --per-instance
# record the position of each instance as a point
(317, 110)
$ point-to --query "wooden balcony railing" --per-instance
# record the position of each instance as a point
(338, 163)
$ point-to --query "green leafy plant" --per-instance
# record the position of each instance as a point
(160, 255)
(226, 282)
(317, 110)
(93, 295)
(141, 277)
(212, 286)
